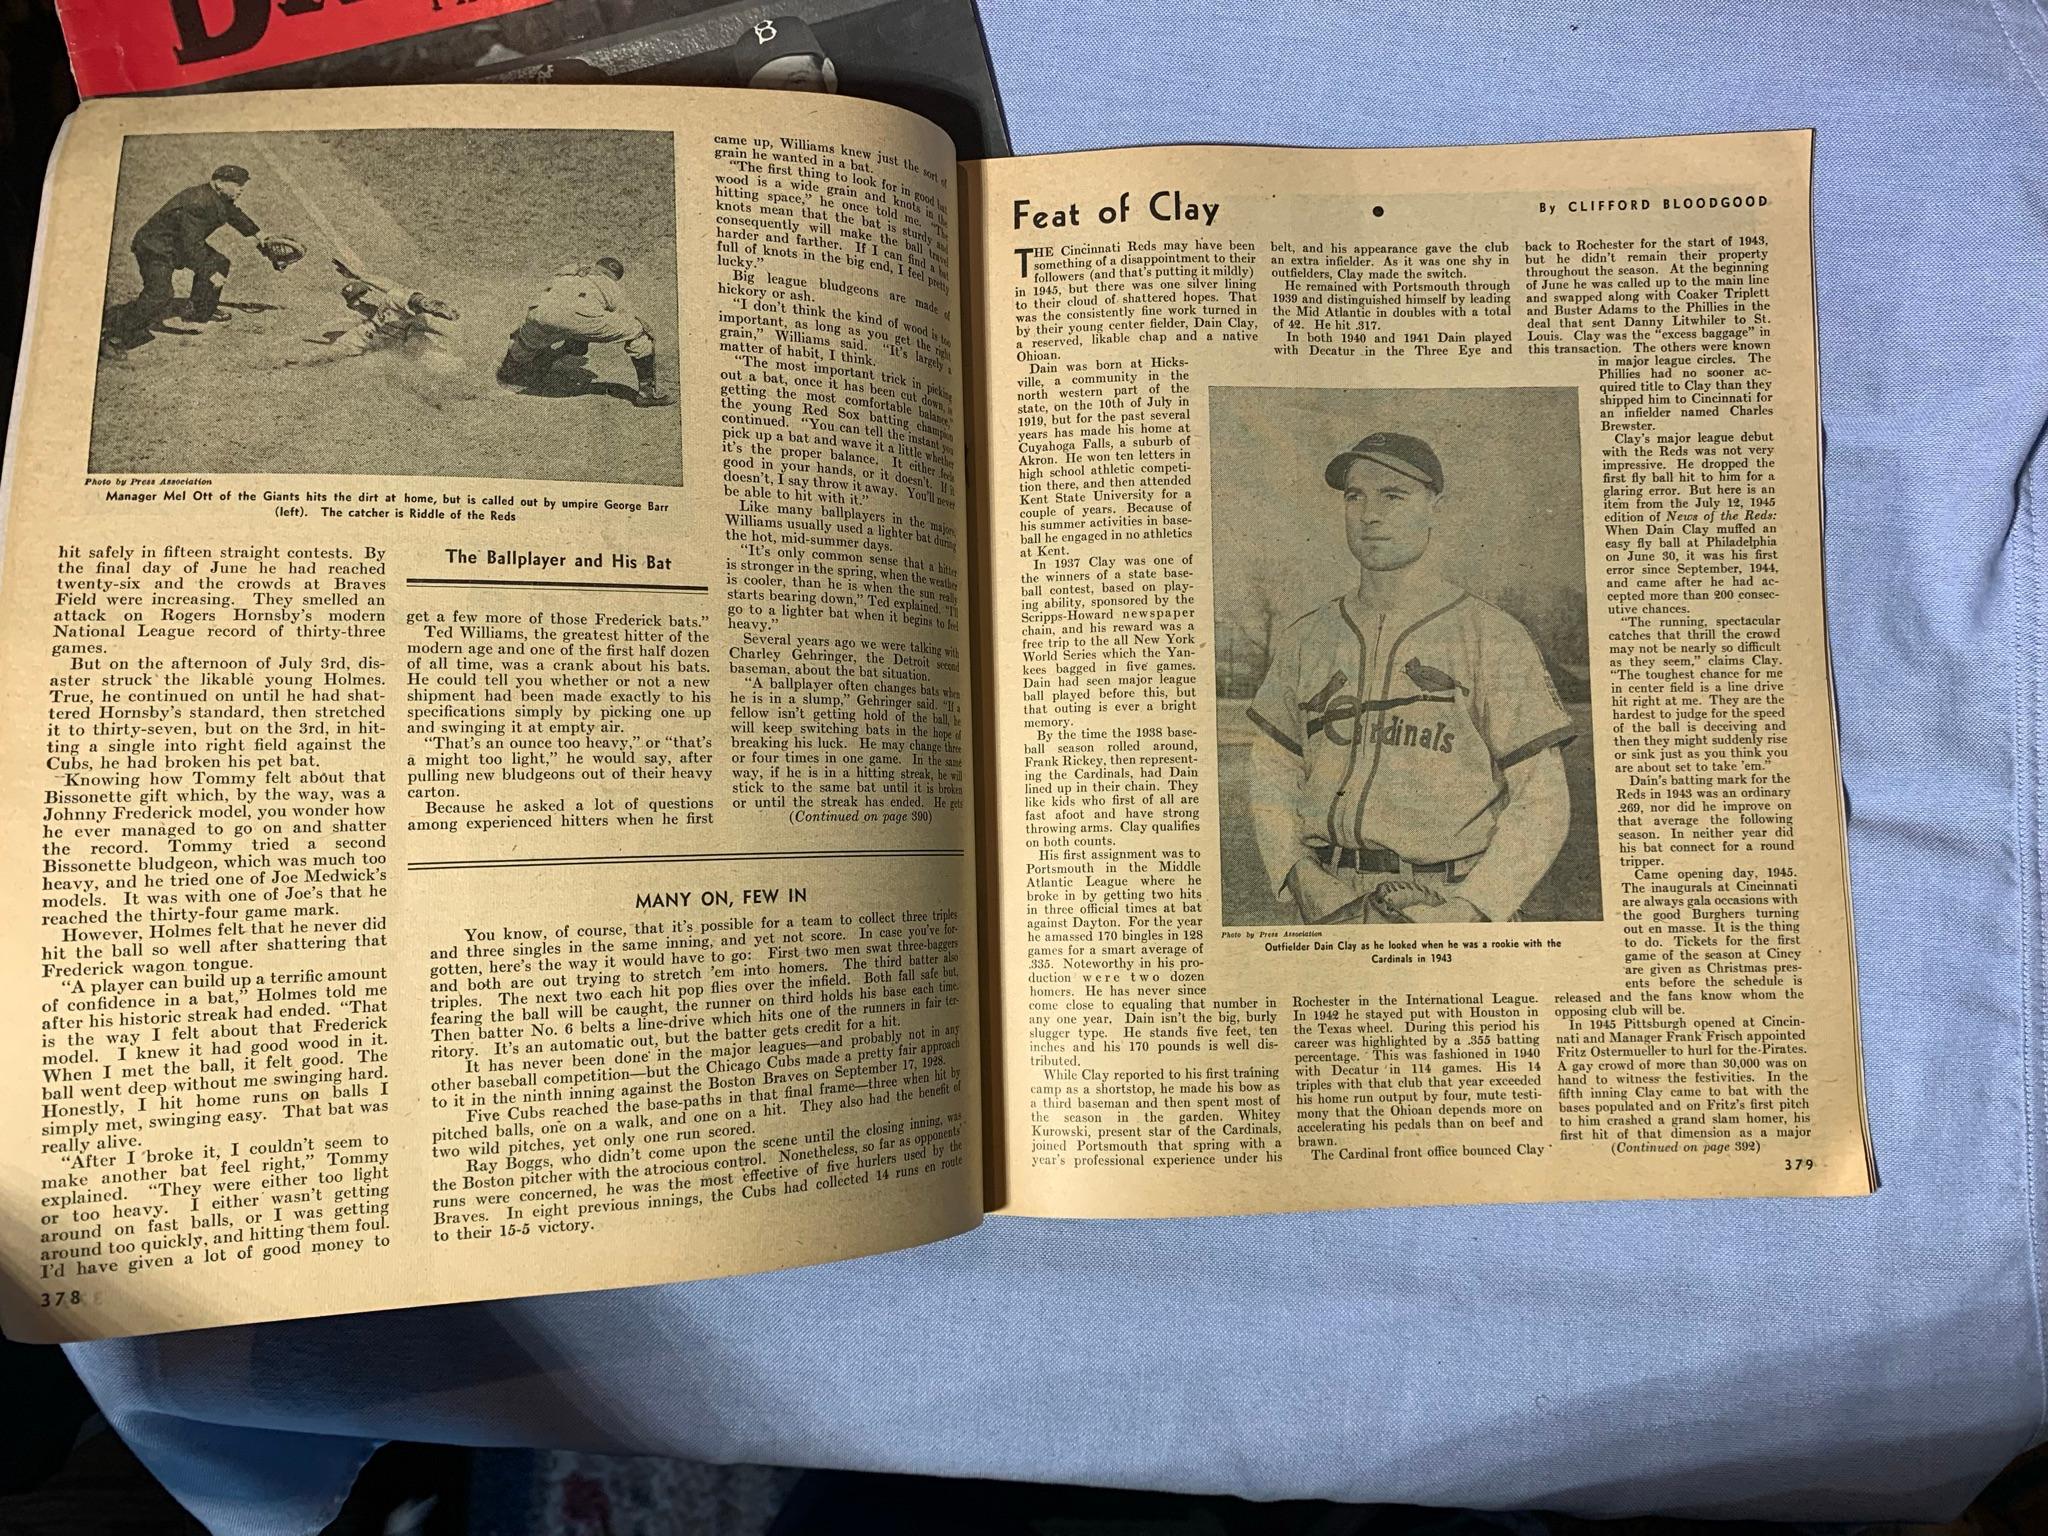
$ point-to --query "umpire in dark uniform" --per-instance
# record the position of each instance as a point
(175, 239)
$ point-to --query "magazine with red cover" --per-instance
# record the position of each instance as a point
(925, 55)
(124, 46)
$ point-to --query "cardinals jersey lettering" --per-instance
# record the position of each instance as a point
(1402, 725)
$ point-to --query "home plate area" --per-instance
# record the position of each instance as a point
(330, 364)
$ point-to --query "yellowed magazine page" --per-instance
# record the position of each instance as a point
(1414, 751)
(485, 698)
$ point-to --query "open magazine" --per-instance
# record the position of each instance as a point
(608, 686)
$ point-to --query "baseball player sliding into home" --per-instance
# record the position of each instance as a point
(389, 316)
(579, 306)
(1406, 766)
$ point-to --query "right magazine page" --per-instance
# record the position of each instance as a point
(1414, 754)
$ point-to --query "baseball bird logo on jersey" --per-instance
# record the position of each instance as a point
(1430, 680)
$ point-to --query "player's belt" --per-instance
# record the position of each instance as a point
(1384, 861)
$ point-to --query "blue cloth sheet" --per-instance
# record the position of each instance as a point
(1849, 1358)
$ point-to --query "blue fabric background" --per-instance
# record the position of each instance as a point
(1852, 1358)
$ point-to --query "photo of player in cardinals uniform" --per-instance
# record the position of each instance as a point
(1406, 766)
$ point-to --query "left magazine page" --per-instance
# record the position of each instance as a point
(483, 768)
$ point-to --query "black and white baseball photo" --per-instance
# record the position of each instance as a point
(1404, 715)
(442, 301)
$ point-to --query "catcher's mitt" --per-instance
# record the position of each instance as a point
(438, 308)
(1394, 899)
(280, 251)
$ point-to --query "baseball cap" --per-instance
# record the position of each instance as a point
(230, 173)
(611, 264)
(1409, 456)
(779, 37)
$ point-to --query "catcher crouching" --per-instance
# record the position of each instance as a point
(580, 306)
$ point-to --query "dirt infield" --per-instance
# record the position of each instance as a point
(478, 218)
